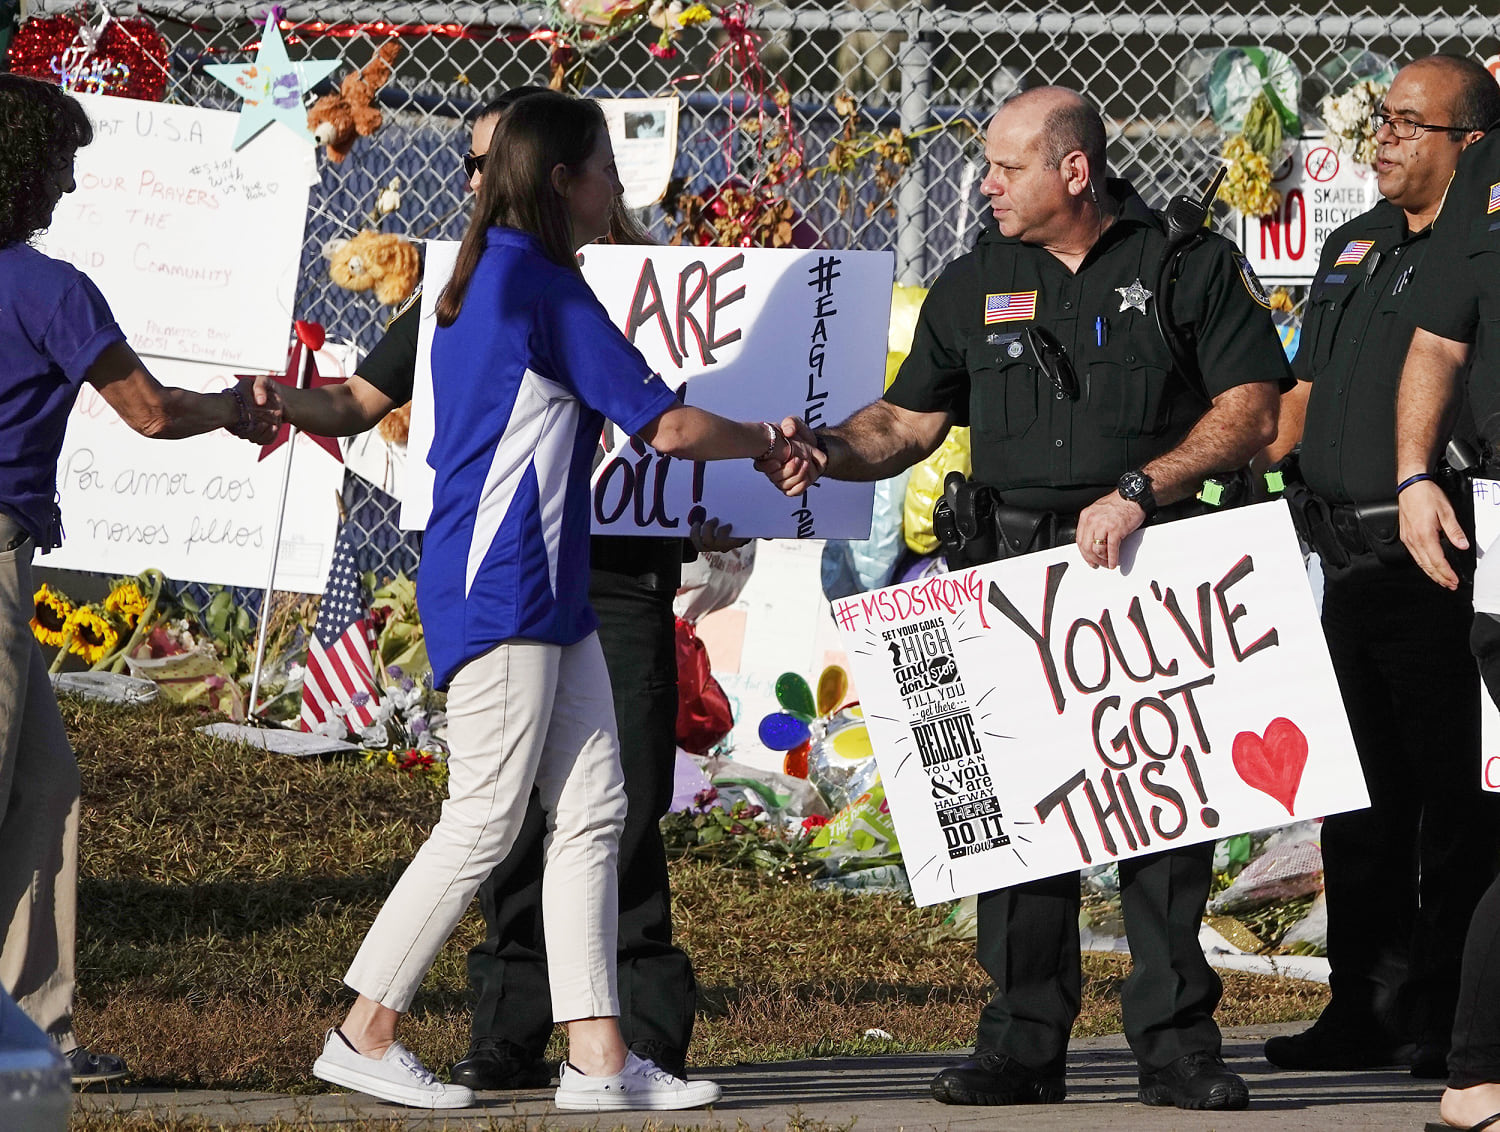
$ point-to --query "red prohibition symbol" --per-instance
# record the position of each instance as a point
(1322, 164)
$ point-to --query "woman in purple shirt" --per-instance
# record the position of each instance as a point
(56, 332)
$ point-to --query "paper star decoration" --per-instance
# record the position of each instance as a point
(272, 86)
(309, 337)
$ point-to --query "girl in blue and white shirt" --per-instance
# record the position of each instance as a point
(526, 367)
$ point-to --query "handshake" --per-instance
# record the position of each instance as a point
(794, 466)
(259, 408)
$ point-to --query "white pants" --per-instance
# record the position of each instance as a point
(524, 714)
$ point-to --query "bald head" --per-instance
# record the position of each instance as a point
(1044, 152)
(1063, 122)
(1472, 92)
(1425, 97)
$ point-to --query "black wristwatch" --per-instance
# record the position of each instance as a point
(1136, 487)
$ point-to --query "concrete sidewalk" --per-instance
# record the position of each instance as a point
(879, 1094)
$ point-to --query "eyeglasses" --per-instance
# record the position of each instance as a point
(474, 163)
(1054, 361)
(1404, 129)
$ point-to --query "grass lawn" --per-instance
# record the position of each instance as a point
(224, 890)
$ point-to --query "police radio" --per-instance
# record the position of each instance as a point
(1184, 218)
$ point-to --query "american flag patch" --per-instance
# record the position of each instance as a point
(1012, 307)
(1353, 252)
(1494, 198)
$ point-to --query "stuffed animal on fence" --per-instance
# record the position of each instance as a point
(336, 119)
(382, 261)
(395, 427)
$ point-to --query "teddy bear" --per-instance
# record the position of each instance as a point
(335, 119)
(383, 261)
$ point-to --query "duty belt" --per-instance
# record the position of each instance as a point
(1343, 534)
(975, 526)
(1351, 535)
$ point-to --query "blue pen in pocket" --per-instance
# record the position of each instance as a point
(1101, 330)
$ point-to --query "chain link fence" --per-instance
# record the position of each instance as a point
(939, 68)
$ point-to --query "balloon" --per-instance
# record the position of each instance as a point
(782, 732)
(853, 744)
(795, 763)
(833, 686)
(795, 696)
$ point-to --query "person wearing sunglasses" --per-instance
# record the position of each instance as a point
(1043, 339)
(1403, 876)
(1455, 358)
(632, 584)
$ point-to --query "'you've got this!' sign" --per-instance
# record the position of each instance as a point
(1035, 716)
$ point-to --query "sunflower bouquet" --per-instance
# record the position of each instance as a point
(102, 633)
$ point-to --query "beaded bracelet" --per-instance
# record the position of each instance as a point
(775, 434)
(245, 423)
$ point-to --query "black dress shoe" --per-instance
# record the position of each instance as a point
(1198, 1080)
(90, 1067)
(993, 1078)
(495, 1064)
(663, 1056)
(1324, 1047)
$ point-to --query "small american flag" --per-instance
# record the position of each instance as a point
(1015, 306)
(338, 655)
(1494, 198)
(1354, 251)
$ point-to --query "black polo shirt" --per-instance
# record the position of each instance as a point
(391, 368)
(970, 356)
(1354, 338)
(1459, 298)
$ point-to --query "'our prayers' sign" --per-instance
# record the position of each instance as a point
(1035, 716)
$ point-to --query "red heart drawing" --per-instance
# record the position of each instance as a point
(1273, 765)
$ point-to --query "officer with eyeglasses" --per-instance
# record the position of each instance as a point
(1455, 350)
(1044, 340)
(1403, 876)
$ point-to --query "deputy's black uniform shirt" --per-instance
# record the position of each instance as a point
(1354, 339)
(970, 356)
(1458, 297)
(391, 368)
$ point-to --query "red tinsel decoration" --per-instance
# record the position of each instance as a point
(130, 59)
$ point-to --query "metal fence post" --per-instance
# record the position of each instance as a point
(915, 62)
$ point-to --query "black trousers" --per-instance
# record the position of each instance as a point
(508, 971)
(1475, 1056)
(1028, 943)
(1402, 877)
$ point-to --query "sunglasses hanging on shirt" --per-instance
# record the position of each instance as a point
(1054, 361)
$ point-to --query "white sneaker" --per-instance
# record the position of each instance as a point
(397, 1077)
(640, 1085)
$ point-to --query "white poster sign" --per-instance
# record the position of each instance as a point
(1034, 716)
(1321, 189)
(195, 244)
(1487, 598)
(755, 334)
(201, 509)
(643, 133)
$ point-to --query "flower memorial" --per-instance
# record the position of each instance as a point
(200, 653)
(1253, 94)
(1348, 118)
